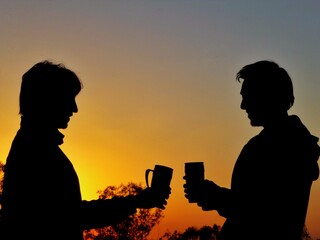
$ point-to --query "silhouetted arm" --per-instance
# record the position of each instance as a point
(101, 213)
(106, 212)
(225, 205)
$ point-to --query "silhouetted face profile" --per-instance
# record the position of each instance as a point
(255, 104)
(267, 92)
(62, 110)
(47, 96)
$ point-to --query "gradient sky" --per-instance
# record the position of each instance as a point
(159, 84)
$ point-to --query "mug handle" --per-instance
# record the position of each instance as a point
(147, 175)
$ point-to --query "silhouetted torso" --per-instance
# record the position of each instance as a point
(41, 189)
(271, 184)
(41, 193)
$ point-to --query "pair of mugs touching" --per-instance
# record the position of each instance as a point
(161, 178)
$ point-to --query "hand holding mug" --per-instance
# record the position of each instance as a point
(211, 196)
(150, 198)
(158, 191)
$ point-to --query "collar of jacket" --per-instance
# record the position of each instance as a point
(41, 132)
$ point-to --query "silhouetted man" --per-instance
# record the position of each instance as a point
(273, 174)
(41, 193)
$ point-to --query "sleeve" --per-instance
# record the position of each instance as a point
(225, 206)
(106, 212)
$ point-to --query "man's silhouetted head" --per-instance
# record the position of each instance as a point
(267, 91)
(47, 95)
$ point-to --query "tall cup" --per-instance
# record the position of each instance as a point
(194, 175)
(161, 177)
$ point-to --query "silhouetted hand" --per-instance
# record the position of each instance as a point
(210, 196)
(206, 194)
(150, 198)
(192, 190)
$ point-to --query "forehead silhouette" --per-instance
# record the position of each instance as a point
(45, 83)
(267, 79)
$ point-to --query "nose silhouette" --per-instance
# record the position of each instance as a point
(73, 106)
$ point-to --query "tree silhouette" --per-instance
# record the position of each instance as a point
(171, 236)
(137, 226)
(209, 233)
(305, 234)
(193, 233)
(206, 232)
